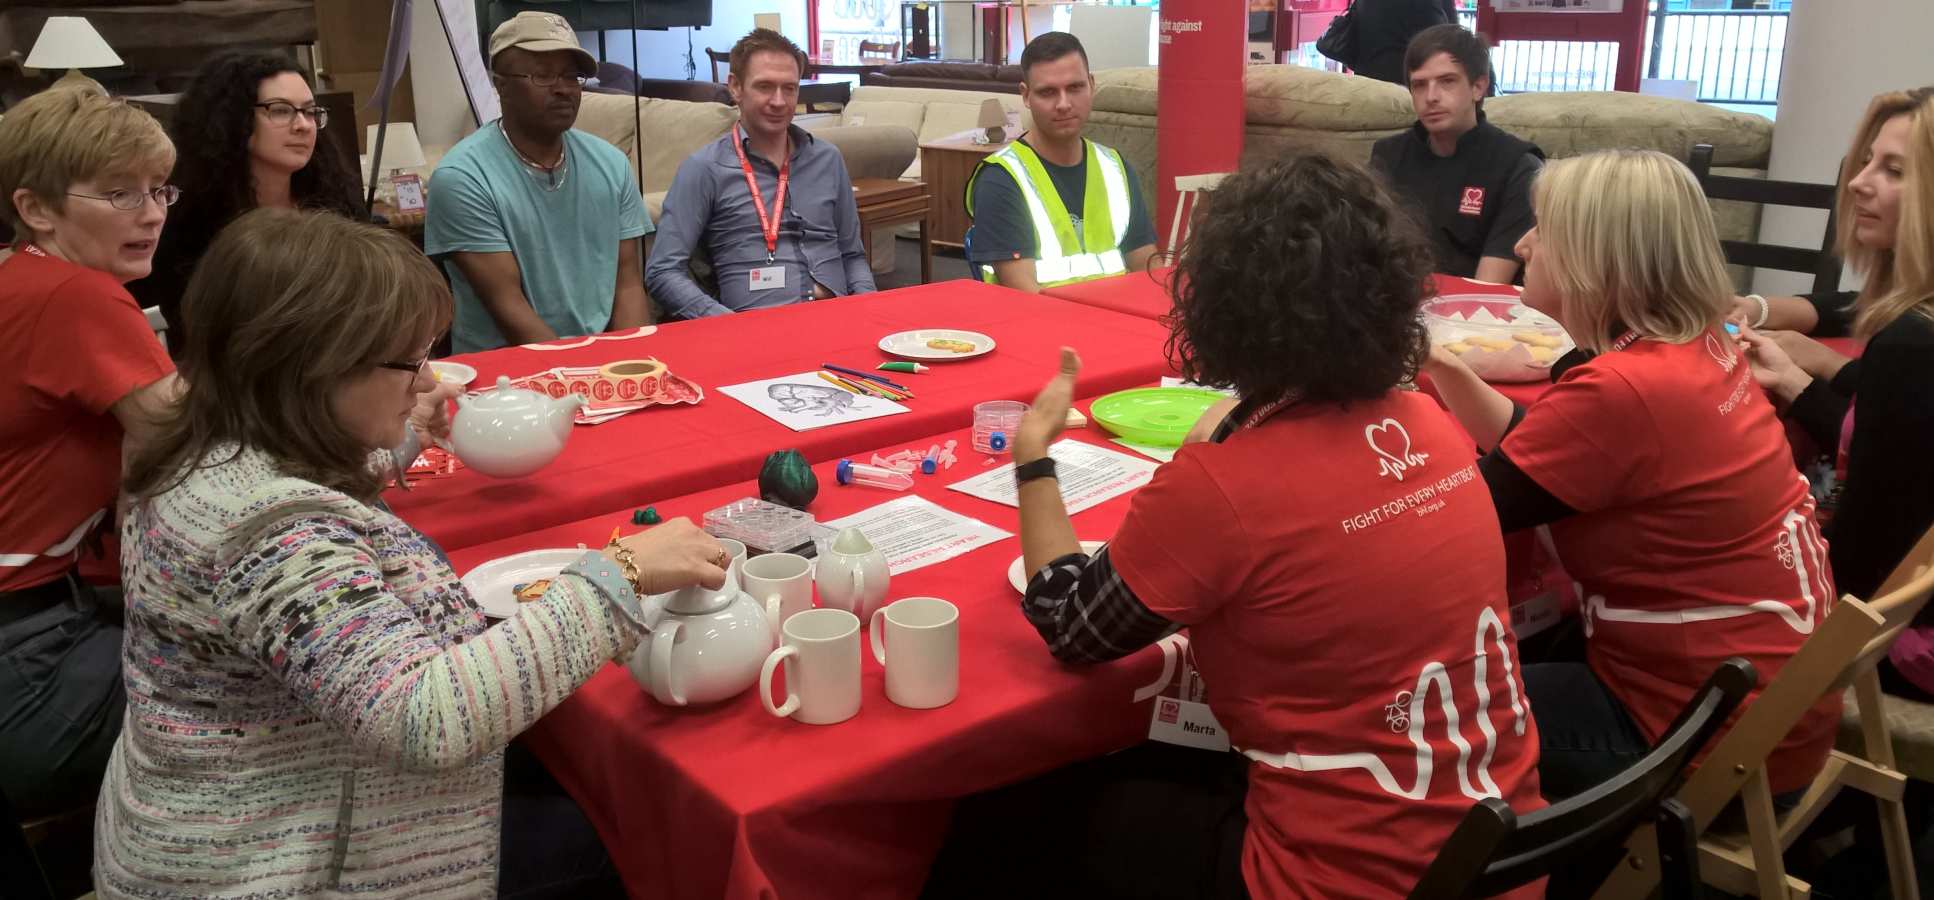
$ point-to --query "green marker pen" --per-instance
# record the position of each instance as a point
(915, 368)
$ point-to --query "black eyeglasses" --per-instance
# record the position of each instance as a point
(414, 368)
(548, 80)
(163, 196)
(281, 113)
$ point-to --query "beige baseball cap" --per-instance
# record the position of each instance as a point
(541, 32)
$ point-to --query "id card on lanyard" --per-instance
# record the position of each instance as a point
(768, 276)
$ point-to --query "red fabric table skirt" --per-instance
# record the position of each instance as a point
(656, 454)
(1143, 294)
(730, 802)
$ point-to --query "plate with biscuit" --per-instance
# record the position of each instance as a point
(1499, 337)
(937, 344)
(501, 584)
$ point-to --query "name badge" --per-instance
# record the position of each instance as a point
(1187, 723)
(765, 278)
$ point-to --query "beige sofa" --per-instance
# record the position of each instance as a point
(1290, 109)
(930, 113)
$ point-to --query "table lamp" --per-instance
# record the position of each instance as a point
(69, 42)
(993, 121)
(401, 150)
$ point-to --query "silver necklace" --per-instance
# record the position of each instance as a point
(555, 173)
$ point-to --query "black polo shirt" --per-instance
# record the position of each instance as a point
(1475, 202)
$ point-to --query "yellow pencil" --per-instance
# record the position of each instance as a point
(842, 384)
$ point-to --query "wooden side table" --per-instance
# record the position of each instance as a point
(887, 201)
(946, 165)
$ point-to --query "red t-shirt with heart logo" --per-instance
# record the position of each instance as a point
(1694, 539)
(1342, 577)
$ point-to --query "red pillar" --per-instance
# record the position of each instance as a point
(1199, 94)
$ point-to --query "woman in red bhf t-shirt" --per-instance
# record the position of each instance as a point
(1332, 550)
(1659, 465)
(83, 183)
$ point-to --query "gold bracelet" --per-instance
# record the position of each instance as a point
(629, 569)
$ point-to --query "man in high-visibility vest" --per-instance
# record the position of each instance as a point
(1055, 208)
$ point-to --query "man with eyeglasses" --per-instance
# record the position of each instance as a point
(533, 220)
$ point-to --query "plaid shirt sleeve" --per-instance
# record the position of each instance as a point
(1086, 613)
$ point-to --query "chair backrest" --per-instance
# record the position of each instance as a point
(880, 48)
(1899, 600)
(1493, 850)
(1186, 189)
(718, 58)
(1822, 264)
(158, 322)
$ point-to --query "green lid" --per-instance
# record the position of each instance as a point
(1158, 417)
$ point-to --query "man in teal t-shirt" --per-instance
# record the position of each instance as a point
(535, 221)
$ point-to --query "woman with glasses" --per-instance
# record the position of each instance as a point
(251, 134)
(319, 696)
(83, 180)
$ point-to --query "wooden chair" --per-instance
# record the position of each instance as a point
(880, 48)
(1842, 651)
(1822, 264)
(1493, 850)
(1187, 187)
(718, 58)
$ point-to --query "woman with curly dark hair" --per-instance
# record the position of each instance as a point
(249, 131)
(1332, 550)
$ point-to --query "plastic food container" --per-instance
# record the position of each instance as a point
(1500, 338)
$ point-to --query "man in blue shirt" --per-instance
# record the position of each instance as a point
(533, 220)
(771, 205)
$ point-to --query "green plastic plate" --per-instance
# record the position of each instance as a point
(1158, 417)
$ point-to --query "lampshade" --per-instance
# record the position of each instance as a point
(400, 147)
(68, 42)
(992, 114)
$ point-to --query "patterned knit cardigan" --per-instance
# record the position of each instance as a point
(316, 707)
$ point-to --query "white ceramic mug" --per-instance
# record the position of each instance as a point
(821, 650)
(735, 557)
(918, 641)
(780, 582)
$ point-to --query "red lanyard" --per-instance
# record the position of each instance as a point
(32, 250)
(768, 224)
(1625, 340)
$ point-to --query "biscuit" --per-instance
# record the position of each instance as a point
(1543, 354)
(1458, 347)
(1538, 340)
(951, 345)
(1488, 343)
(531, 590)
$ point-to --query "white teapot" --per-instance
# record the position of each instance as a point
(852, 574)
(511, 432)
(705, 645)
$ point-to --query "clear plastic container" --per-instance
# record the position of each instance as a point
(1500, 338)
(995, 423)
(850, 472)
(758, 523)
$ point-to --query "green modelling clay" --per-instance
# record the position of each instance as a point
(638, 517)
(787, 479)
(651, 516)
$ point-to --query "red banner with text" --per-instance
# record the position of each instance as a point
(1199, 116)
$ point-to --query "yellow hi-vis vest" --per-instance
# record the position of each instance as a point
(1094, 251)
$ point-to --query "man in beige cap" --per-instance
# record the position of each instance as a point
(534, 221)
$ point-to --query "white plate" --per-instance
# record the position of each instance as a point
(453, 372)
(913, 344)
(1019, 579)
(494, 583)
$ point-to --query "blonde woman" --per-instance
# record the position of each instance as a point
(316, 706)
(1659, 466)
(1875, 415)
(84, 184)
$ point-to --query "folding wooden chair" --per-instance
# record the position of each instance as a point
(1493, 850)
(1841, 652)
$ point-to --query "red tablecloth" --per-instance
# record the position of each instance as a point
(1143, 294)
(729, 802)
(656, 454)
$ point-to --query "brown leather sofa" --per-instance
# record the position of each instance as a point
(163, 36)
(945, 75)
(617, 79)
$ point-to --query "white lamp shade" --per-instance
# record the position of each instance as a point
(68, 42)
(400, 147)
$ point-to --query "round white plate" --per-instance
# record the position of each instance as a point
(1019, 579)
(913, 344)
(453, 372)
(494, 583)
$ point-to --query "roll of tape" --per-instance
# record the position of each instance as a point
(629, 379)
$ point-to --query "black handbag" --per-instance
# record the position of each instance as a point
(1339, 40)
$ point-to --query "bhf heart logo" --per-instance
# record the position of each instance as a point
(1392, 445)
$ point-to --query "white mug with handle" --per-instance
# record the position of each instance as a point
(821, 650)
(918, 641)
(782, 583)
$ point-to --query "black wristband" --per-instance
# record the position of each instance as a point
(1040, 468)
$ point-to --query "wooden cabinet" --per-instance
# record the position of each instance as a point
(945, 165)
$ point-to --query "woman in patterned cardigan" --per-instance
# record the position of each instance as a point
(315, 704)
